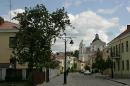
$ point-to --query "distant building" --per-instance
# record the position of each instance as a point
(84, 53)
(97, 43)
(70, 60)
(120, 53)
(60, 56)
(87, 54)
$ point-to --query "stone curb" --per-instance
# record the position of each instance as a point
(116, 81)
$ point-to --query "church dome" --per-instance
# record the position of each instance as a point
(96, 38)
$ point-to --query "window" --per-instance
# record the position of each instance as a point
(111, 52)
(116, 50)
(127, 46)
(119, 50)
(122, 47)
(118, 65)
(12, 42)
(122, 65)
(114, 65)
(127, 64)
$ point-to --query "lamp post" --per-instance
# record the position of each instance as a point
(65, 72)
(111, 64)
(112, 69)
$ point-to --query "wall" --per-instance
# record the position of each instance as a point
(5, 51)
(123, 57)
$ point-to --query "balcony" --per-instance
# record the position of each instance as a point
(116, 57)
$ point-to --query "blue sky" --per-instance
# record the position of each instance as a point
(108, 18)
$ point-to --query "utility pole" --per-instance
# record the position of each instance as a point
(65, 78)
(10, 6)
(65, 71)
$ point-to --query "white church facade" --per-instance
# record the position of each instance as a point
(87, 54)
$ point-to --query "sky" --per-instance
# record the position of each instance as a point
(108, 18)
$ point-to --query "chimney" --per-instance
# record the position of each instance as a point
(128, 26)
(1, 20)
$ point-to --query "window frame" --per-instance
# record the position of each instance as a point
(12, 42)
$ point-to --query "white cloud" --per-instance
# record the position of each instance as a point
(87, 24)
(122, 28)
(128, 9)
(109, 10)
(106, 11)
(12, 13)
(75, 3)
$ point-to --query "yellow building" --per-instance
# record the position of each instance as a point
(120, 53)
(7, 39)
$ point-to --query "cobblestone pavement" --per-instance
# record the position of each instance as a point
(77, 79)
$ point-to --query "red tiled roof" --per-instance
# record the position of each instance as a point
(8, 25)
(60, 55)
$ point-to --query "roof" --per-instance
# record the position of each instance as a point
(60, 55)
(123, 33)
(8, 25)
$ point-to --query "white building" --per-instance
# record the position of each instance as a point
(87, 54)
(70, 61)
(97, 43)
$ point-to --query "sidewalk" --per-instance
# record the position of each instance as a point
(58, 81)
(118, 80)
(76, 79)
(122, 81)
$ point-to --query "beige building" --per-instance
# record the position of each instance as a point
(60, 57)
(70, 60)
(120, 53)
(106, 53)
(7, 42)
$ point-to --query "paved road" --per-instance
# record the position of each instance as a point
(77, 79)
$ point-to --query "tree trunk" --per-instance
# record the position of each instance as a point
(47, 75)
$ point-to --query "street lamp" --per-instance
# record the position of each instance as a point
(65, 72)
(111, 64)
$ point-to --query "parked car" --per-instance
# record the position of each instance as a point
(87, 72)
(81, 71)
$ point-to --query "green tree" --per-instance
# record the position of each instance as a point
(74, 67)
(108, 63)
(76, 53)
(38, 28)
(99, 61)
(1, 20)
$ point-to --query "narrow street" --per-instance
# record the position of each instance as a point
(77, 79)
